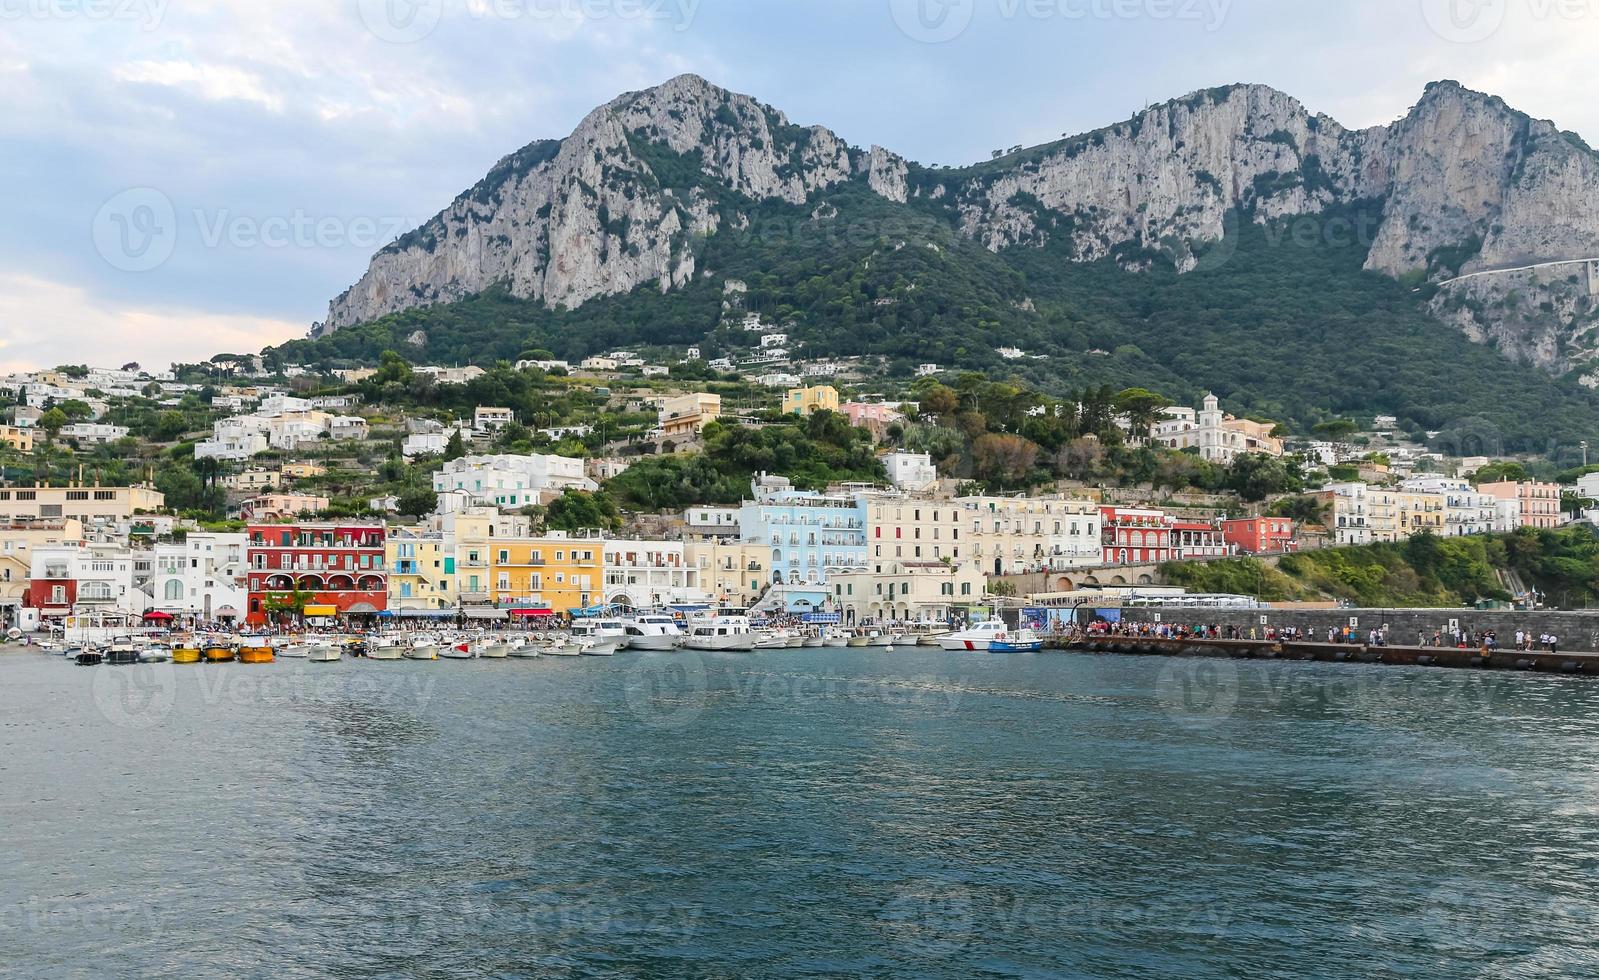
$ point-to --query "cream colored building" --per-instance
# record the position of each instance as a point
(1015, 535)
(82, 503)
(685, 416)
(1218, 437)
(907, 591)
(733, 573)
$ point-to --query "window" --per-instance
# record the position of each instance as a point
(174, 589)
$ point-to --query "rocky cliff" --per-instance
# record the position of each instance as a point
(1467, 184)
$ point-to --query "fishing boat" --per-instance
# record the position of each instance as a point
(89, 658)
(652, 632)
(728, 634)
(187, 655)
(217, 654)
(1021, 641)
(978, 637)
(859, 638)
(323, 652)
(257, 655)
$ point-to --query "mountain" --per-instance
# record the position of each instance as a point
(1228, 240)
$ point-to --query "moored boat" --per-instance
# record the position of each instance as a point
(324, 652)
(522, 648)
(460, 650)
(598, 646)
(156, 653)
(89, 658)
(257, 655)
(187, 655)
(491, 648)
(386, 648)
(653, 632)
(977, 638)
(220, 655)
(724, 634)
(1020, 641)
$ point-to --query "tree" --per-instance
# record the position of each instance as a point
(1336, 430)
(392, 368)
(1003, 460)
(52, 421)
(455, 448)
(291, 603)
(1303, 509)
(76, 409)
(579, 510)
(1507, 472)
(418, 502)
(1142, 408)
(939, 402)
(1256, 476)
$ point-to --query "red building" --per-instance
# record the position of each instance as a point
(1135, 537)
(1260, 535)
(341, 565)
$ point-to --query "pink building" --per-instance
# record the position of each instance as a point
(1539, 502)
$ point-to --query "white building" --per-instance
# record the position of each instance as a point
(204, 577)
(712, 521)
(1351, 517)
(1219, 437)
(911, 471)
(94, 433)
(486, 418)
(512, 481)
(651, 575)
(94, 581)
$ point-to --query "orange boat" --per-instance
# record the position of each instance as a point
(219, 655)
(257, 655)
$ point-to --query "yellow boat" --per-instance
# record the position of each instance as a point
(186, 655)
(257, 655)
(219, 655)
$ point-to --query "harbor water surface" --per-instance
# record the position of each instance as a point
(797, 813)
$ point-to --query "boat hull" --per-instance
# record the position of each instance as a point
(654, 644)
(720, 644)
(325, 656)
(422, 653)
(257, 655)
(220, 655)
(1028, 646)
(187, 655)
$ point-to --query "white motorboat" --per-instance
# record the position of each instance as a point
(386, 648)
(602, 631)
(814, 640)
(885, 638)
(721, 634)
(598, 646)
(652, 632)
(978, 637)
(156, 653)
(422, 649)
(292, 649)
(562, 646)
(491, 648)
(459, 650)
(771, 640)
(323, 652)
(523, 648)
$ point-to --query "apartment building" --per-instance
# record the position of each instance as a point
(206, 577)
(732, 572)
(1539, 503)
(88, 504)
(557, 572)
(512, 482)
(421, 564)
(651, 574)
(342, 566)
(908, 592)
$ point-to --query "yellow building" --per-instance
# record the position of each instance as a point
(421, 570)
(302, 471)
(685, 416)
(732, 572)
(809, 401)
(17, 438)
(556, 572)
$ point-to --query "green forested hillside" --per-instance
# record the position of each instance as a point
(1278, 320)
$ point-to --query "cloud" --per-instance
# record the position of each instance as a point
(45, 323)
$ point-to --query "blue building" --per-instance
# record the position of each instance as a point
(811, 536)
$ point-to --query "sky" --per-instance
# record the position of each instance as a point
(181, 178)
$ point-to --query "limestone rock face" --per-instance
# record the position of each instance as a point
(1467, 184)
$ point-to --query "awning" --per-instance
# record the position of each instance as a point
(486, 614)
(322, 612)
(158, 616)
(227, 612)
(531, 613)
(362, 609)
(420, 614)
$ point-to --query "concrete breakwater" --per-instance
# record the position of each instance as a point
(1584, 664)
(1406, 627)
